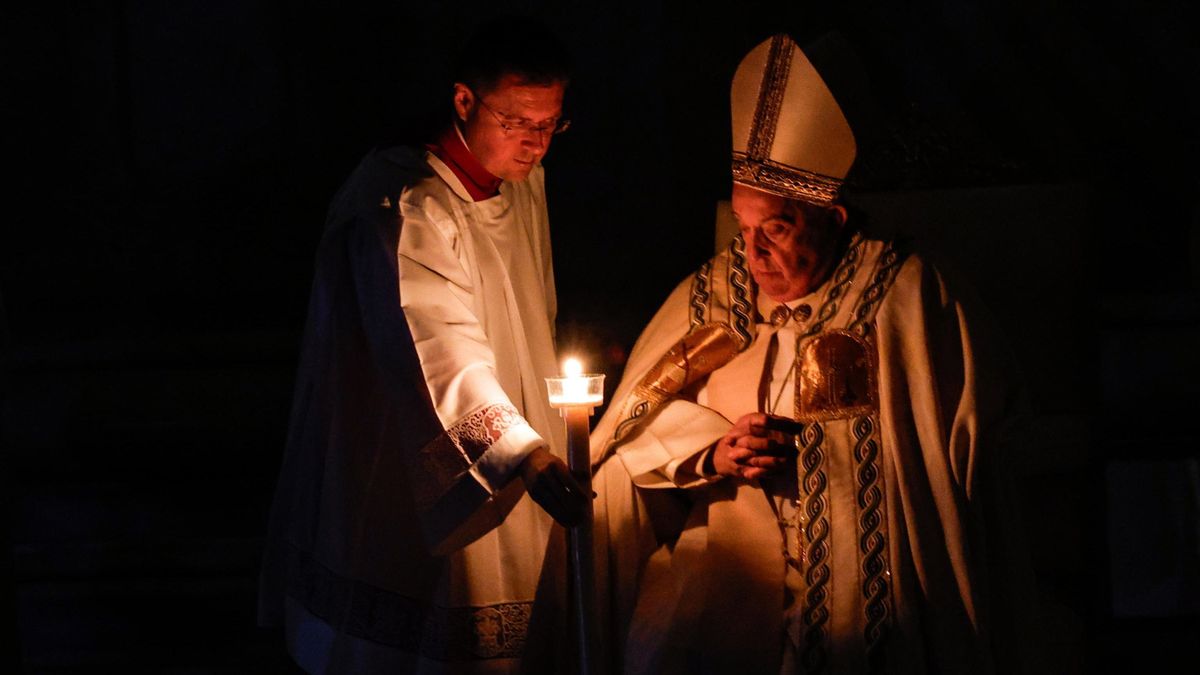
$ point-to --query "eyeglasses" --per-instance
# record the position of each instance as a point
(522, 126)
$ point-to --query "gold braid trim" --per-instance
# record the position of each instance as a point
(741, 293)
(783, 180)
(815, 546)
(700, 293)
(872, 540)
(770, 97)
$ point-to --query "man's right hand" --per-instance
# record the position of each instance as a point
(752, 448)
(552, 486)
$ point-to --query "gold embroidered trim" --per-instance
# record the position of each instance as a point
(813, 521)
(842, 278)
(700, 293)
(780, 179)
(887, 267)
(835, 377)
(699, 353)
(872, 531)
(770, 97)
(741, 301)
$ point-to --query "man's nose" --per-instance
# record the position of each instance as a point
(755, 243)
(538, 140)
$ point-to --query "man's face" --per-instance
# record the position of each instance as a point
(790, 245)
(530, 111)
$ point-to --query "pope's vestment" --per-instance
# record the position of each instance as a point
(400, 541)
(888, 545)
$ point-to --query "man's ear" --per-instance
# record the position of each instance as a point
(839, 214)
(464, 101)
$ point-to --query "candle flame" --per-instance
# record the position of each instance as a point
(572, 367)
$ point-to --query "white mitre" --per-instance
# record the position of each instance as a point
(790, 138)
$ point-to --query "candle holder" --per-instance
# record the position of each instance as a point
(576, 395)
(583, 390)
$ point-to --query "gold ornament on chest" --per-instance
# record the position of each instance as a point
(782, 314)
(836, 377)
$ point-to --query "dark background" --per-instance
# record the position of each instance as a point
(169, 166)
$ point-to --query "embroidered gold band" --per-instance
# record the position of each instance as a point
(770, 97)
(695, 356)
(699, 353)
(785, 181)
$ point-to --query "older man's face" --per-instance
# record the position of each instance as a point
(529, 111)
(790, 245)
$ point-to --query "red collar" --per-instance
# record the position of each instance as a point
(449, 148)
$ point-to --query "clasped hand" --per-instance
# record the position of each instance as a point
(754, 446)
(552, 486)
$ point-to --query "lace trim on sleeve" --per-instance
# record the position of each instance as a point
(455, 450)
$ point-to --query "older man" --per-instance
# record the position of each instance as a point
(832, 414)
(400, 541)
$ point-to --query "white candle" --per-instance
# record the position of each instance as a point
(576, 395)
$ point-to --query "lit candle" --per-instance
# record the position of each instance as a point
(574, 388)
(575, 395)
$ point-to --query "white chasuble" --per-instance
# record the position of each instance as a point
(878, 549)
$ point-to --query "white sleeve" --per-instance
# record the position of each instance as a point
(666, 451)
(436, 294)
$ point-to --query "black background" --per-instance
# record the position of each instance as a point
(168, 170)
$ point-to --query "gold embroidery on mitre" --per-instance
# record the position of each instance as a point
(835, 377)
(770, 97)
(785, 181)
